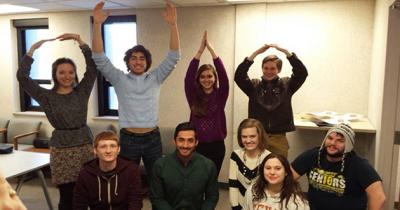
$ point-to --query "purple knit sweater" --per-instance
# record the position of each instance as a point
(211, 127)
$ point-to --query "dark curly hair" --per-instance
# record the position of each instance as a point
(54, 67)
(290, 187)
(185, 126)
(135, 49)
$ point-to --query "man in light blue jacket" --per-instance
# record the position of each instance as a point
(137, 91)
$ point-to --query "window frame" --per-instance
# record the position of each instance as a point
(102, 84)
(21, 26)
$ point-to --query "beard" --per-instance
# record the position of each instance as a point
(336, 155)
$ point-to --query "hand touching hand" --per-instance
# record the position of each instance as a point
(262, 49)
(68, 36)
(277, 47)
(203, 42)
(211, 49)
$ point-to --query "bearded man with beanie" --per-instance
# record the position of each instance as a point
(338, 178)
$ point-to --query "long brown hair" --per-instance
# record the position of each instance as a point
(253, 123)
(200, 104)
(54, 67)
(290, 186)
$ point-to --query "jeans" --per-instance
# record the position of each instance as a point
(136, 146)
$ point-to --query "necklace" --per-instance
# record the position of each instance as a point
(250, 175)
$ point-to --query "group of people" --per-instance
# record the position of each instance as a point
(260, 176)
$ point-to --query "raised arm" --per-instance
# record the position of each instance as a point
(169, 63)
(223, 90)
(24, 70)
(299, 74)
(241, 77)
(36, 46)
(202, 46)
(190, 78)
(103, 64)
(170, 17)
(262, 49)
(210, 49)
(69, 36)
(89, 77)
(99, 16)
(281, 49)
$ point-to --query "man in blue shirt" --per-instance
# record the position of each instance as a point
(137, 91)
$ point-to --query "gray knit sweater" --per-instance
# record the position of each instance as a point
(66, 112)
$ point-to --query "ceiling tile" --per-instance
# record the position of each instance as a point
(139, 3)
(89, 4)
(51, 7)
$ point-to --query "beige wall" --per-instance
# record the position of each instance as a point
(384, 93)
(219, 22)
(334, 44)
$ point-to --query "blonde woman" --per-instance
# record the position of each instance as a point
(245, 162)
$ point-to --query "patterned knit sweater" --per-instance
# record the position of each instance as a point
(211, 127)
(242, 173)
(67, 113)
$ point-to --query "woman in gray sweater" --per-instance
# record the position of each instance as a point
(65, 106)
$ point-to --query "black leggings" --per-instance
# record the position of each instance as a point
(214, 151)
(66, 194)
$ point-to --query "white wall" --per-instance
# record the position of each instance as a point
(219, 22)
(332, 38)
(333, 43)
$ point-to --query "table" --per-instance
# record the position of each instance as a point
(20, 163)
(361, 126)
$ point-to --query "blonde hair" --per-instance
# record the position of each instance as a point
(253, 123)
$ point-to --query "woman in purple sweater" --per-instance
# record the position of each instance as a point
(207, 98)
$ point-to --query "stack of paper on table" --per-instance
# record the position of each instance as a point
(330, 118)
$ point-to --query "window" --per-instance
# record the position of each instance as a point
(119, 34)
(30, 31)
